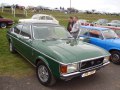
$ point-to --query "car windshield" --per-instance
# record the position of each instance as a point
(50, 32)
(109, 34)
(102, 21)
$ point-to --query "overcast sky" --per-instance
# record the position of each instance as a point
(99, 5)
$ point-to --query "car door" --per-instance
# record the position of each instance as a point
(16, 35)
(97, 39)
(26, 41)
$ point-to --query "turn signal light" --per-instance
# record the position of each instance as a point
(63, 69)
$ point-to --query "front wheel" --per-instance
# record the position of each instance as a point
(44, 75)
(115, 57)
(3, 25)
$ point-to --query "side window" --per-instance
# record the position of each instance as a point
(42, 17)
(26, 31)
(17, 29)
(84, 32)
(48, 18)
(95, 33)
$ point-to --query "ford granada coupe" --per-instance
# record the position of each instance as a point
(105, 38)
(54, 53)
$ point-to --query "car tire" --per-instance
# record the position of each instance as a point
(44, 75)
(115, 57)
(3, 25)
(11, 48)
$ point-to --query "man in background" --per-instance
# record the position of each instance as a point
(75, 28)
(70, 24)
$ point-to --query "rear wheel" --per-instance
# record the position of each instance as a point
(3, 25)
(44, 75)
(115, 57)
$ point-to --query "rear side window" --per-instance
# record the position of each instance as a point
(42, 17)
(17, 29)
(48, 18)
(26, 31)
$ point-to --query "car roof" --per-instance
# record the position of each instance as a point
(94, 28)
(40, 15)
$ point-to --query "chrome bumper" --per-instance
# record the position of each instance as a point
(79, 73)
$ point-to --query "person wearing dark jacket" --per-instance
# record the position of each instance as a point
(70, 24)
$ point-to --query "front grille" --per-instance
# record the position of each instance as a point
(91, 63)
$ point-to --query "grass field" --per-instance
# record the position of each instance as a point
(16, 66)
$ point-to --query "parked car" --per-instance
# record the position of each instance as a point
(41, 18)
(4, 22)
(85, 22)
(115, 23)
(54, 53)
(105, 38)
(101, 22)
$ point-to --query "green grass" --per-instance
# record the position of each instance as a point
(16, 66)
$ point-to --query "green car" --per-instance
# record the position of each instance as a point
(54, 52)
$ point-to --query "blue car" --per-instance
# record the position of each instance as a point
(103, 37)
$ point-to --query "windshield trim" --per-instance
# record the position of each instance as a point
(45, 39)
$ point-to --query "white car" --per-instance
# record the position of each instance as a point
(41, 18)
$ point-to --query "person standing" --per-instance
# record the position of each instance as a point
(75, 28)
(70, 24)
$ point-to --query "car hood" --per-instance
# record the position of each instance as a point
(67, 53)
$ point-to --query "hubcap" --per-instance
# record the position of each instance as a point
(115, 57)
(43, 73)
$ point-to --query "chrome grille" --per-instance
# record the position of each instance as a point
(91, 63)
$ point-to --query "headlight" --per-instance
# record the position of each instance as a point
(64, 69)
(106, 59)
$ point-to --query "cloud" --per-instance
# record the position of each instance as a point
(99, 5)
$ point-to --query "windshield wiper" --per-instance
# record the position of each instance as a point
(112, 38)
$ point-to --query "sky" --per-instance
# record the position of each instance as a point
(98, 5)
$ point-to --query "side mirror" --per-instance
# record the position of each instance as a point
(85, 39)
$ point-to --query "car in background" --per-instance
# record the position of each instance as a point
(4, 22)
(101, 22)
(103, 37)
(115, 23)
(41, 18)
(85, 22)
(54, 52)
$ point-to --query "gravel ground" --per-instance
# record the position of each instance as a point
(107, 78)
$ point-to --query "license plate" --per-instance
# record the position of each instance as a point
(88, 73)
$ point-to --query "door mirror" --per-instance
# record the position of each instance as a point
(85, 39)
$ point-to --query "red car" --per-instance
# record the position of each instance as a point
(5, 22)
(85, 22)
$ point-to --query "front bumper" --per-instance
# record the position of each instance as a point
(76, 74)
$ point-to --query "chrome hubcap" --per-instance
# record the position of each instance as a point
(43, 73)
(115, 57)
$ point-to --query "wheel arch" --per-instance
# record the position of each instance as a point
(113, 50)
(41, 59)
